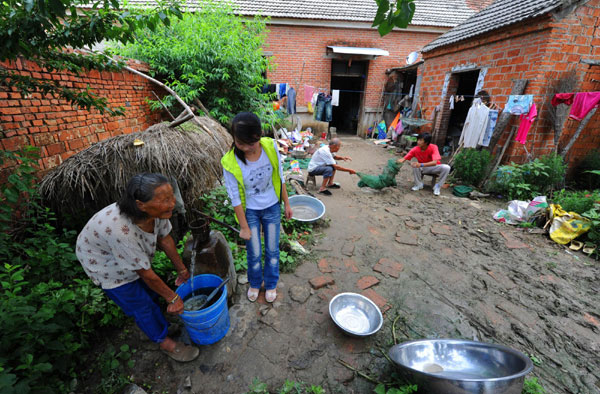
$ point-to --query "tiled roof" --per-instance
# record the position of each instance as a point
(440, 13)
(501, 13)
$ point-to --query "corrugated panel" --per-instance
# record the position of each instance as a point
(359, 51)
(442, 13)
(501, 13)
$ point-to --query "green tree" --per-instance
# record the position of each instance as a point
(393, 13)
(211, 55)
(41, 30)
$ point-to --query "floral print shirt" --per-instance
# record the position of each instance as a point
(111, 247)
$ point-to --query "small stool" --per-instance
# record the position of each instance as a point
(433, 179)
(309, 179)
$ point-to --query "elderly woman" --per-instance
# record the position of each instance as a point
(116, 248)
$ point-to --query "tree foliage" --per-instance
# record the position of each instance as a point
(211, 55)
(393, 13)
(46, 31)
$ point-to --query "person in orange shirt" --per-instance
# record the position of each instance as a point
(428, 163)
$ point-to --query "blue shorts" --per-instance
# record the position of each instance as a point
(325, 170)
(137, 300)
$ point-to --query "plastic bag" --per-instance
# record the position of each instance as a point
(566, 226)
(295, 166)
(521, 211)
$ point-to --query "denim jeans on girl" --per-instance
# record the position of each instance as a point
(270, 221)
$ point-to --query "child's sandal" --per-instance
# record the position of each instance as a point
(271, 295)
(252, 294)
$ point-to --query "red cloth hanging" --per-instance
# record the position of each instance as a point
(563, 98)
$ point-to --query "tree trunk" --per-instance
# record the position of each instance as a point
(582, 125)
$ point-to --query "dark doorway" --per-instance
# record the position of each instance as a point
(467, 82)
(349, 78)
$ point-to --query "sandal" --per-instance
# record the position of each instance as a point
(182, 352)
(589, 249)
(325, 192)
(334, 186)
(271, 295)
(252, 294)
(576, 245)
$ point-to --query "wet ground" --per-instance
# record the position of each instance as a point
(441, 263)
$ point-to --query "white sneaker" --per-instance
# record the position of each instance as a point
(417, 187)
(436, 189)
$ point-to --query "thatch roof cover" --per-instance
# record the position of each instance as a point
(97, 176)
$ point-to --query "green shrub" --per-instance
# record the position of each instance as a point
(578, 201)
(210, 54)
(584, 179)
(470, 165)
(526, 181)
(49, 308)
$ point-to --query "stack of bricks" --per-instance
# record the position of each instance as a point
(60, 130)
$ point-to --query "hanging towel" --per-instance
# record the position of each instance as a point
(410, 93)
(308, 93)
(277, 91)
(489, 131)
(583, 104)
(519, 105)
(452, 102)
(563, 98)
(282, 89)
(335, 98)
(526, 122)
(291, 101)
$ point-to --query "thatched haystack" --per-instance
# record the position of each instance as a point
(97, 176)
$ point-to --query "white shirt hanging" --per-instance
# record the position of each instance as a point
(475, 124)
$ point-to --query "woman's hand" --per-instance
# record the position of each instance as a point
(245, 233)
(288, 211)
(176, 308)
(182, 276)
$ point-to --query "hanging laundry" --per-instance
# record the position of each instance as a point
(475, 125)
(395, 121)
(399, 127)
(526, 122)
(291, 101)
(277, 91)
(518, 104)
(563, 98)
(451, 102)
(485, 138)
(335, 98)
(410, 93)
(282, 89)
(583, 104)
(308, 93)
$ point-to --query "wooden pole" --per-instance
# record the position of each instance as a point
(499, 158)
(518, 88)
(582, 125)
(163, 105)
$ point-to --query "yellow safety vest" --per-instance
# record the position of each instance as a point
(230, 163)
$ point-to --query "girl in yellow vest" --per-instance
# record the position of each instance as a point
(255, 184)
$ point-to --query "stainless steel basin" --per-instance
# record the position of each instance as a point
(454, 366)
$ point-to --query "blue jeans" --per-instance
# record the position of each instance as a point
(323, 111)
(137, 300)
(270, 220)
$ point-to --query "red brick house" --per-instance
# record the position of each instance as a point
(330, 44)
(541, 41)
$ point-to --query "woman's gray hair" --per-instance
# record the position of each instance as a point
(140, 187)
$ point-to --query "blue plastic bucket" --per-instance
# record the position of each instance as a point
(207, 325)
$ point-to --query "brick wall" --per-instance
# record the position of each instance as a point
(292, 46)
(539, 50)
(60, 130)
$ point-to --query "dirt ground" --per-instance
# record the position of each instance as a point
(441, 263)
